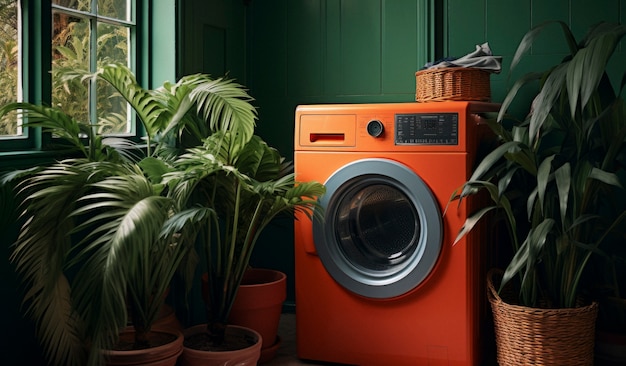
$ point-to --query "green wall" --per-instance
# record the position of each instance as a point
(212, 38)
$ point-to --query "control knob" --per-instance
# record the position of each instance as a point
(375, 128)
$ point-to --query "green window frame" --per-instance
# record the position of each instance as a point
(36, 46)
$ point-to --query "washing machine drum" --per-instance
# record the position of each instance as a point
(382, 232)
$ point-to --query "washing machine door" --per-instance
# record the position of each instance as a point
(382, 230)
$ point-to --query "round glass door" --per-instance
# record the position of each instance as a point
(381, 233)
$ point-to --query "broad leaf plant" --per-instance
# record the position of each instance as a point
(555, 174)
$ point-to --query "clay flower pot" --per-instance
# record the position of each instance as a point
(163, 355)
(258, 306)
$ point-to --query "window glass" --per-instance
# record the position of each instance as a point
(86, 40)
(9, 64)
(81, 5)
(70, 51)
(118, 9)
(112, 110)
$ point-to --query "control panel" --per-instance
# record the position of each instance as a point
(427, 129)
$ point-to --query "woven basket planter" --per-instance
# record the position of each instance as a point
(532, 336)
(452, 83)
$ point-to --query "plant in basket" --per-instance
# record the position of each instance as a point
(552, 179)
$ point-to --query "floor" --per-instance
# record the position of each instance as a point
(286, 353)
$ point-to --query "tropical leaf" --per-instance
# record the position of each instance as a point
(526, 257)
(510, 96)
(146, 104)
(543, 177)
(226, 106)
(593, 59)
(491, 159)
(40, 256)
(531, 36)
(51, 120)
(472, 221)
(545, 100)
(563, 179)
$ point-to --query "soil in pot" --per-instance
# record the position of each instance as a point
(202, 342)
(226, 354)
(126, 341)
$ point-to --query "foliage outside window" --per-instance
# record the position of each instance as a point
(85, 34)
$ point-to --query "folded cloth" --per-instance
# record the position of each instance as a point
(481, 58)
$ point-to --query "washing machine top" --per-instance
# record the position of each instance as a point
(387, 126)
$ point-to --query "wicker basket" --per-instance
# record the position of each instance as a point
(531, 336)
(452, 83)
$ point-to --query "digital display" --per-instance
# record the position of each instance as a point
(429, 124)
(427, 129)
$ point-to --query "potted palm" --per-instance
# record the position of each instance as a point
(100, 236)
(244, 184)
(552, 177)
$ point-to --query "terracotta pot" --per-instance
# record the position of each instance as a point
(242, 357)
(258, 306)
(165, 355)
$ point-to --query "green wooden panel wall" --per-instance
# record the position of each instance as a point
(211, 37)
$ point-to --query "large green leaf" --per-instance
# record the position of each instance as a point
(528, 253)
(592, 59)
(472, 221)
(563, 179)
(605, 177)
(543, 177)
(226, 106)
(48, 198)
(491, 159)
(532, 35)
(510, 96)
(545, 100)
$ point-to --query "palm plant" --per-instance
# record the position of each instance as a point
(555, 172)
(101, 235)
(234, 188)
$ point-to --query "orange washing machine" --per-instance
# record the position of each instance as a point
(378, 279)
